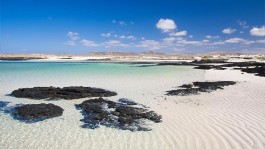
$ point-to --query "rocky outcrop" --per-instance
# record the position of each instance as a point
(197, 87)
(258, 70)
(68, 93)
(123, 114)
(207, 67)
(37, 112)
(19, 58)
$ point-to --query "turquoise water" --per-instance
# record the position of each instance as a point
(83, 68)
(14, 75)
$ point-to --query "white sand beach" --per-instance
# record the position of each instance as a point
(233, 118)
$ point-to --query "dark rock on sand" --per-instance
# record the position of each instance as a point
(244, 64)
(197, 87)
(258, 70)
(120, 115)
(37, 112)
(61, 93)
(204, 61)
(207, 67)
(19, 58)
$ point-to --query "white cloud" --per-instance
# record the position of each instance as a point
(181, 33)
(228, 30)
(239, 40)
(255, 31)
(243, 24)
(122, 37)
(211, 37)
(169, 40)
(261, 41)
(111, 43)
(122, 23)
(131, 38)
(150, 45)
(88, 43)
(73, 35)
(185, 42)
(106, 35)
(218, 43)
(70, 43)
(166, 25)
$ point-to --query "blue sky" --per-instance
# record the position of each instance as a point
(168, 26)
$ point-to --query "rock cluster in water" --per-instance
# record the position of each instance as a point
(37, 112)
(74, 92)
(197, 87)
(123, 114)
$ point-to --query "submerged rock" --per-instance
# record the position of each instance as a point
(116, 114)
(197, 87)
(73, 92)
(37, 112)
(3, 104)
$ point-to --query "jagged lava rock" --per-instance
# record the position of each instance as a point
(121, 114)
(197, 87)
(36, 112)
(73, 92)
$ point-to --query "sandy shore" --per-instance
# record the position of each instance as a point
(233, 118)
(132, 57)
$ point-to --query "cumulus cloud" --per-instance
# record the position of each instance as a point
(255, 31)
(131, 38)
(166, 25)
(88, 43)
(122, 37)
(70, 43)
(116, 43)
(243, 24)
(106, 34)
(181, 33)
(150, 45)
(211, 37)
(228, 30)
(261, 41)
(73, 35)
(239, 40)
(123, 23)
(169, 40)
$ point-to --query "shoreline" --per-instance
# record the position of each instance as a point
(129, 57)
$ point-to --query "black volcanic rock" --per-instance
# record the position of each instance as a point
(121, 115)
(197, 87)
(68, 93)
(205, 61)
(37, 112)
(244, 64)
(19, 58)
(207, 67)
(259, 71)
